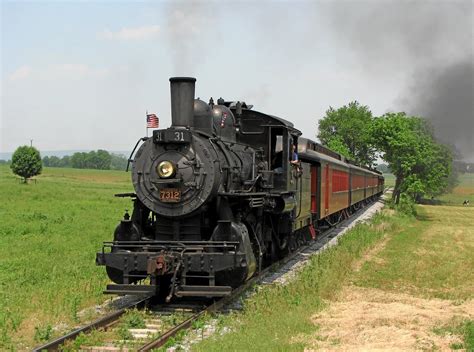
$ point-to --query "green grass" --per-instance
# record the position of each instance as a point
(464, 328)
(49, 233)
(277, 313)
(468, 333)
(432, 257)
(93, 338)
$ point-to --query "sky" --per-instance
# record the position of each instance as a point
(80, 75)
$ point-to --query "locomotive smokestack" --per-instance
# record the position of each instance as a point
(182, 101)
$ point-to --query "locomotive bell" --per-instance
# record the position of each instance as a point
(182, 101)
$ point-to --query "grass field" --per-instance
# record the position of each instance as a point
(432, 257)
(49, 233)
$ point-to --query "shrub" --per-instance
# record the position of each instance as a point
(43, 333)
(405, 206)
(26, 162)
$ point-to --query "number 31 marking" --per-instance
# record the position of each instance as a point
(179, 136)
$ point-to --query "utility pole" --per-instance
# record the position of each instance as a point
(31, 142)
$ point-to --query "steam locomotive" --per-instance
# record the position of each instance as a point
(218, 197)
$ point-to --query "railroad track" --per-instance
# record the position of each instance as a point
(101, 323)
(154, 321)
(149, 337)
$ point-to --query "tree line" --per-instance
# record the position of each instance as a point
(423, 167)
(100, 160)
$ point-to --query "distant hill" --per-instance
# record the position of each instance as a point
(61, 153)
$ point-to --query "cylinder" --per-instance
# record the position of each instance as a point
(182, 101)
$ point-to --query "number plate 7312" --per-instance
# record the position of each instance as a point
(170, 195)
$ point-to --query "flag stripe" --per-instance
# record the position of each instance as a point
(152, 121)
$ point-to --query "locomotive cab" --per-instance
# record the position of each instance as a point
(281, 158)
(274, 136)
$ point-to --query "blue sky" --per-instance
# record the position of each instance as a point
(81, 74)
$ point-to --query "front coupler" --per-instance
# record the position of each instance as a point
(196, 268)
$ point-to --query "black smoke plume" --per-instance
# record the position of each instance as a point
(431, 43)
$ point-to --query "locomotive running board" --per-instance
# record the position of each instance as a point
(203, 291)
(182, 291)
(131, 290)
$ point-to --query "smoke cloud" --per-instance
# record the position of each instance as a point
(432, 43)
(187, 31)
(445, 96)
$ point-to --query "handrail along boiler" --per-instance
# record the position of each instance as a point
(216, 198)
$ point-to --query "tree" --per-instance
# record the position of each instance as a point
(78, 160)
(347, 131)
(103, 160)
(54, 161)
(338, 146)
(91, 160)
(118, 162)
(421, 165)
(46, 161)
(65, 161)
(26, 162)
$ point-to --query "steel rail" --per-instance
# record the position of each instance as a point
(103, 322)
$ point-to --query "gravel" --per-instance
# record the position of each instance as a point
(290, 270)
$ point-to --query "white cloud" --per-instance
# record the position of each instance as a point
(75, 70)
(62, 71)
(135, 33)
(21, 73)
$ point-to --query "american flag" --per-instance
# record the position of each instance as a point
(152, 121)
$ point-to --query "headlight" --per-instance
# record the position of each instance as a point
(166, 169)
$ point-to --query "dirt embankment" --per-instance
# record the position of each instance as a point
(368, 319)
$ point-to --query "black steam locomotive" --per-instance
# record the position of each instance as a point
(220, 194)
